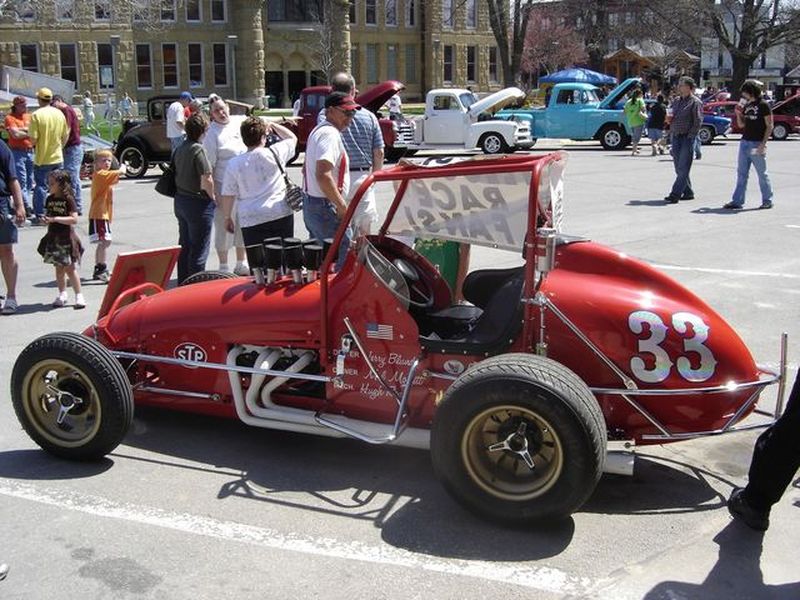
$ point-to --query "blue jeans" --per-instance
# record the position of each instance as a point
(698, 147)
(23, 164)
(40, 173)
(759, 161)
(195, 217)
(73, 156)
(176, 142)
(682, 156)
(321, 221)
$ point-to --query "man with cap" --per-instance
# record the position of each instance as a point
(176, 119)
(17, 123)
(326, 172)
(73, 150)
(12, 214)
(49, 133)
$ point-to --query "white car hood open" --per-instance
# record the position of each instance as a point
(496, 101)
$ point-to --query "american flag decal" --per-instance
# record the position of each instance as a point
(379, 331)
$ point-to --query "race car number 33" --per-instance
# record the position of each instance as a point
(651, 331)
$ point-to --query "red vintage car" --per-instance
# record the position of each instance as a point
(785, 115)
(522, 395)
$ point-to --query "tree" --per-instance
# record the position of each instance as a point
(509, 22)
(550, 44)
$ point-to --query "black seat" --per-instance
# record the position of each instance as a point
(496, 327)
(479, 286)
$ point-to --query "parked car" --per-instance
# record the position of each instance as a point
(524, 396)
(143, 143)
(785, 116)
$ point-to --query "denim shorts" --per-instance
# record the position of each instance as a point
(655, 134)
(8, 228)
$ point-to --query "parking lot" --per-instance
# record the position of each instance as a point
(194, 507)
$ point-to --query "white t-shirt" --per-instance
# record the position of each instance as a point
(395, 104)
(174, 116)
(325, 143)
(256, 182)
(222, 143)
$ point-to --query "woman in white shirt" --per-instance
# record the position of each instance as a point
(223, 142)
(254, 187)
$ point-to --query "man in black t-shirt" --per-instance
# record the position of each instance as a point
(754, 116)
(12, 214)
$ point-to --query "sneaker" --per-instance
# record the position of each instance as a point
(61, 300)
(661, 150)
(766, 205)
(80, 302)
(732, 206)
(103, 276)
(242, 270)
(224, 268)
(10, 306)
(740, 509)
(688, 197)
(671, 199)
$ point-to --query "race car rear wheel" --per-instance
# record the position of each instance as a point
(134, 160)
(780, 132)
(706, 135)
(519, 439)
(493, 143)
(203, 276)
(72, 396)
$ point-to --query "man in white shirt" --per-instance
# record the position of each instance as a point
(326, 172)
(395, 105)
(176, 120)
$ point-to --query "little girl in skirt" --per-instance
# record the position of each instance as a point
(60, 246)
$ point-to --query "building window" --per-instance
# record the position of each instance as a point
(613, 19)
(141, 11)
(355, 63)
(169, 68)
(447, 14)
(411, 64)
(102, 10)
(411, 13)
(220, 64)
(472, 53)
(195, 65)
(493, 65)
(65, 10)
(218, 11)
(352, 12)
(579, 22)
(391, 13)
(391, 62)
(447, 70)
(371, 12)
(68, 57)
(303, 11)
(372, 63)
(193, 12)
(144, 67)
(105, 65)
(167, 10)
(29, 57)
(472, 14)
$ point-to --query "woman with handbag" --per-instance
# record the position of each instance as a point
(194, 198)
(257, 183)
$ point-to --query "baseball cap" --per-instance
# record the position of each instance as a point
(185, 96)
(44, 93)
(341, 100)
(19, 100)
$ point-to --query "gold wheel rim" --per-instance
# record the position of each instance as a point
(505, 474)
(61, 403)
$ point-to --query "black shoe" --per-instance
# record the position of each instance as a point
(732, 206)
(671, 199)
(741, 509)
(689, 197)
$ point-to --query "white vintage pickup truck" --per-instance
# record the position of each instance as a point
(456, 119)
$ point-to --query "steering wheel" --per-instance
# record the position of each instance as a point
(416, 283)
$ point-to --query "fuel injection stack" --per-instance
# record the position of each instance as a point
(280, 257)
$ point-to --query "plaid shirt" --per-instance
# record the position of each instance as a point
(687, 116)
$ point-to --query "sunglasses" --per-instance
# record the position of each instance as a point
(348, 113)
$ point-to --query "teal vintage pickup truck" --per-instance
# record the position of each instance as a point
(574, 111)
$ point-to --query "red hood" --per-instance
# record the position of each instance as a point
(378, 95)
(786, 102)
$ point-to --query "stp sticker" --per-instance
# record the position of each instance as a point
(190, 351)
(454, 367)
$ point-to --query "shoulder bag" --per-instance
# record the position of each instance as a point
(166, 185)
(294, 193)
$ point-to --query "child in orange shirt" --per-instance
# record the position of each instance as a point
(101, 210)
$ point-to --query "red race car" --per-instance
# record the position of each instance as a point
(785, 115)
(522, 395)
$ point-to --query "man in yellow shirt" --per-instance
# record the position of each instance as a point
(48, 132)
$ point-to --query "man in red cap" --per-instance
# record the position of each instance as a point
(326, 173)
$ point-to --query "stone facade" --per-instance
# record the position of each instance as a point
(277, 57)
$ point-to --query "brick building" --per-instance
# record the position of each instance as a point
(239, 49)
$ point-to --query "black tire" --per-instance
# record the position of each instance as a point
(411, 152)
(79, 368)
(493, 143)
(562, 421)
(134, 160)
(706, 135)
(780, 132)
(613, 137)
(204, 276)
(393, 155)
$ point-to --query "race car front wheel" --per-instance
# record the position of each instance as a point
(71, 396)
(519, 439)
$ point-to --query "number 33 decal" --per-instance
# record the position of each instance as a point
(649, 324)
